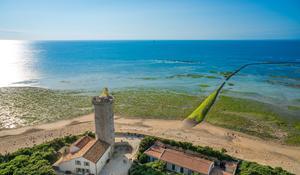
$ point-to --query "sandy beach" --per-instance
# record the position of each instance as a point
(237, 144)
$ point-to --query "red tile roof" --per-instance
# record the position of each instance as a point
(180, 158)
(90, 148)
(80, 143)
(96, 151)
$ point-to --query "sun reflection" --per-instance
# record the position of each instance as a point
(15, 61)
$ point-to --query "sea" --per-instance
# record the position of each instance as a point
(194, 66)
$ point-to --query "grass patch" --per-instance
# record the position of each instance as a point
(154, 104)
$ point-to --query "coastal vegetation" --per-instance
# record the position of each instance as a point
(199, 113)
(28, 106)
(295, 108)
(255, 118)
(203, 85)
(21, 106)
(186, 76)
(150, 168)
(225, 74)
(251, 168)
(154, 104)
(36, 160)
(284, 82)
(141, 166)
(148, 78)
(191, 76)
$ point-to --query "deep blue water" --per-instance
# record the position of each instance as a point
(92, 65)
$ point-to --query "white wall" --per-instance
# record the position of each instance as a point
(94, 168)
(71, 166)
(103, 160)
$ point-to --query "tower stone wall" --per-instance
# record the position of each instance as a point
(104, 118)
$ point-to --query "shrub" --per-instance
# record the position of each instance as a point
(34, 161)
(252, 168)
(151, 168)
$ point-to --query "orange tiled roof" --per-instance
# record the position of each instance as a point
(91, 149)
(96, 151)
(82, 142)
(180, 158)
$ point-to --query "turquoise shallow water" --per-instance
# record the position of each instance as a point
(175, 65)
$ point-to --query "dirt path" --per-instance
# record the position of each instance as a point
(237, 144)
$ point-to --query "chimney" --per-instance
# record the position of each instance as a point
(104, 117)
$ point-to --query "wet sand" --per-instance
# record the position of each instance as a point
(237, 144)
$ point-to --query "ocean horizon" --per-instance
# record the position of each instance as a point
(193, 66)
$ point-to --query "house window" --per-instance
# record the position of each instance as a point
(181, 169)
(77, 162)
(173, 167)
(87, 170)
(190, 172)
(86, 164)
(78, 170)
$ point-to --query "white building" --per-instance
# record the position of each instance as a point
(86, 156)
(179, 161)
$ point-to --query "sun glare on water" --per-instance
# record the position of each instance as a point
(15, 60)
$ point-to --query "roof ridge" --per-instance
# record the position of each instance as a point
(90, 147)
(162, 153)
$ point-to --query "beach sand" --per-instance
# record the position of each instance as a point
(237, 144)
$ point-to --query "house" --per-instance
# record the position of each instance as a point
(179, 161)
(86, 156)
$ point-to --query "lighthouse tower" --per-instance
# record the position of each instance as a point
(104, 117)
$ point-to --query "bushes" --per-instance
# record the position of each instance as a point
(252, 168)
(151, 168)
(36, 160)
(145, 169)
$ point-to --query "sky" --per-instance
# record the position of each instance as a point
(149, 19)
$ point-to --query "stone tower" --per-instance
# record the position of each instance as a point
(104, 117)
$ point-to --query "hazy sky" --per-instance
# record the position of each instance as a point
(149, 19)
